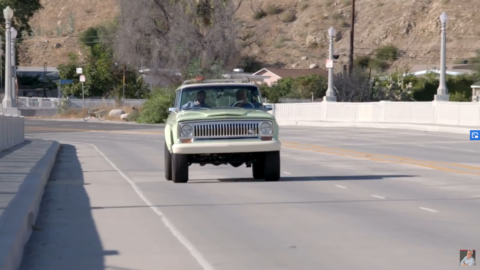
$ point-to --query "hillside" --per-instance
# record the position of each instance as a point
(288, 31)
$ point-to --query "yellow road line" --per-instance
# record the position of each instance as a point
(389, 156)
(90, 130)
(374, 157)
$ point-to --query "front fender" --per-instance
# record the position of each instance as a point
(169, 132)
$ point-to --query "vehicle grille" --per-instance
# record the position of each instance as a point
(226, 129)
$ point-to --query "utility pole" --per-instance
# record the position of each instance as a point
(124, 69)
(352, 34)
(44, 79)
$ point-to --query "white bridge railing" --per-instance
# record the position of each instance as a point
(434, 113)
(27, 103)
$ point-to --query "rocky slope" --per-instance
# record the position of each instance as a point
(290, 33)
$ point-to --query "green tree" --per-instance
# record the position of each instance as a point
(104, 76)
(23, 12)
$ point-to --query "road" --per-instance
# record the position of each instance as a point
(348, 199)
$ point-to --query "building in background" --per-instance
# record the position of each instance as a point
(279, 73)
(32, 80)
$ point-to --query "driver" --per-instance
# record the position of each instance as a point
(242, 99)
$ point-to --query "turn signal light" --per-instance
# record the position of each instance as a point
(267, 138)
(186, 140)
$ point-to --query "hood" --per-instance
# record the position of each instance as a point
(210, 114)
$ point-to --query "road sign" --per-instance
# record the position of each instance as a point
(82, 78)
(79, 70)
(66, 81)
(329, 63)
(474, 135)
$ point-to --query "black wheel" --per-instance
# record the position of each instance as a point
(100, 116)
(168, 164)
(179, 168)
(258, 167)
(272, 166)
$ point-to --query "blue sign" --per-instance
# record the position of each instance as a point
(474, 135)
(66, 81)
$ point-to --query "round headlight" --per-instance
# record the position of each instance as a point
(266, 128)
(186, 131)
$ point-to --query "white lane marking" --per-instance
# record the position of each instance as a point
(340, 186)
(378, 197)
(286, 173)
(428, 209)
(193, 251)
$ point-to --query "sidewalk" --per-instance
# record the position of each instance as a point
(24, 170)
(401, 126)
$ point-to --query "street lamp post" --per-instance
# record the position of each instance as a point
(14, 69)
(442, 91)
(330, 95)
(7, 100)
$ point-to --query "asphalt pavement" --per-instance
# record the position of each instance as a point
(348, 199)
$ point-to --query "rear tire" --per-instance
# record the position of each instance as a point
(179, 168)
(168, 163)
(272, 166)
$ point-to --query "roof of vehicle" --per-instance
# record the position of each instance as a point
(237, 79)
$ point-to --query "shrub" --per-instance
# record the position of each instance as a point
(287, 16)
(155, 109)
(259, 14)
(273, 9)
(387, 53)
(133, 116)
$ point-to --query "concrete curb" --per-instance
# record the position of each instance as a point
(426, 128)
(18, 218)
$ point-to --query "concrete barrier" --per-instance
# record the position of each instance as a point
(27, 180)
(454, 117)
(12, 131)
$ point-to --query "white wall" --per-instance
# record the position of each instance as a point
(435, 113)
(12, 131)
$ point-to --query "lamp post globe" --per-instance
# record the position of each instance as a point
(444, 17)
(8, 13)
(331, 31)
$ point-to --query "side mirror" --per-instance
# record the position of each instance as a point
(172, 110)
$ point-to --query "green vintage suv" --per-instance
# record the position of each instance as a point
(221, 122)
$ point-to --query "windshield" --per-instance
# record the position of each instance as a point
(214, 97)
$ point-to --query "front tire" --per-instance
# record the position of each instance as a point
(180, 168)
(168, 163)
(267, 166)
